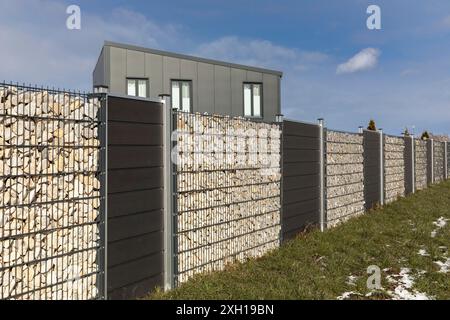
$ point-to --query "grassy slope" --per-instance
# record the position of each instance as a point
(316, 265)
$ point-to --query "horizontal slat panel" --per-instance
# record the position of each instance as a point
(300, 155)
(126, 203)
(134, 179)
(297, 195)
(295, 169)
(138, 289)
(297, 224)
(124, 227)
(300, 208)
(134, 248)
(294, 142)
(300, 129)
(298, 182)
(123, 133)
(123, 157)
(123, 109)
(133, 271)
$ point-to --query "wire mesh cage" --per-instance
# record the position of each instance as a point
(228, 189)
(52, 195)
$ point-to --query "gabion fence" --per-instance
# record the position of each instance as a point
(344, 176)
(51, 201)
(228, 191)
(394, 168)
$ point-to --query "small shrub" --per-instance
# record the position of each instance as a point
(372, 126)
(425, 135)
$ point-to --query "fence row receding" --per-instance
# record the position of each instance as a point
(105, 196)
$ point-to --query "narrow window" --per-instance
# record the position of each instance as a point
(137, 88)
(253, 100)
(182, 95)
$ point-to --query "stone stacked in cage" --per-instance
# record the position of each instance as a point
(394, 168)
(228, 191)
(439, 158)
(50, 199)
(421, 164)
(344, 176)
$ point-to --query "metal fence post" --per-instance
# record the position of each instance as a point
(381, 167)
(279, 118)
(432, 161)
(445, 160)
(413, 163)
(168, 193)
(321, 175)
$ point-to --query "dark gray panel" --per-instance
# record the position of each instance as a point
(134, 225)
(129, 134)
(125, 157)
(371, 142)
(408, 165)
(429, 162)
(301, 129)
(301, 192)
(129, 203)
(135, 197)
(127, 180)
(142, 111)
(130, 249)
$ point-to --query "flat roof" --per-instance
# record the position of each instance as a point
(192, 58)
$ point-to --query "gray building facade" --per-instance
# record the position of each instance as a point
(195, 84)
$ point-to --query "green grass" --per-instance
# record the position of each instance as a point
(316, 265)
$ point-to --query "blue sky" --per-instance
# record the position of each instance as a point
(404, 79)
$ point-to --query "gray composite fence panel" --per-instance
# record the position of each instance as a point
(301, 174)
(448, 160)
(135, 197)
(409, 165)
(439, 158)
(372, 163)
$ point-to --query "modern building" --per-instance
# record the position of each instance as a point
(195, 84)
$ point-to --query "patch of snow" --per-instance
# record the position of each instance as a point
(423, 253)
(351, 280)
(404, 287)
(439, 223)
(445, 266)
(347, 295)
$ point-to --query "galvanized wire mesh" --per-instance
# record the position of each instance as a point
(228, 193)
(394, 167)
(51, 200)
(439, 159)
(344, 162)
(421, 163)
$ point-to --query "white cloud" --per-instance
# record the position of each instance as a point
(364, 60)
(446, 22)
(38, 48)
(260, 53)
